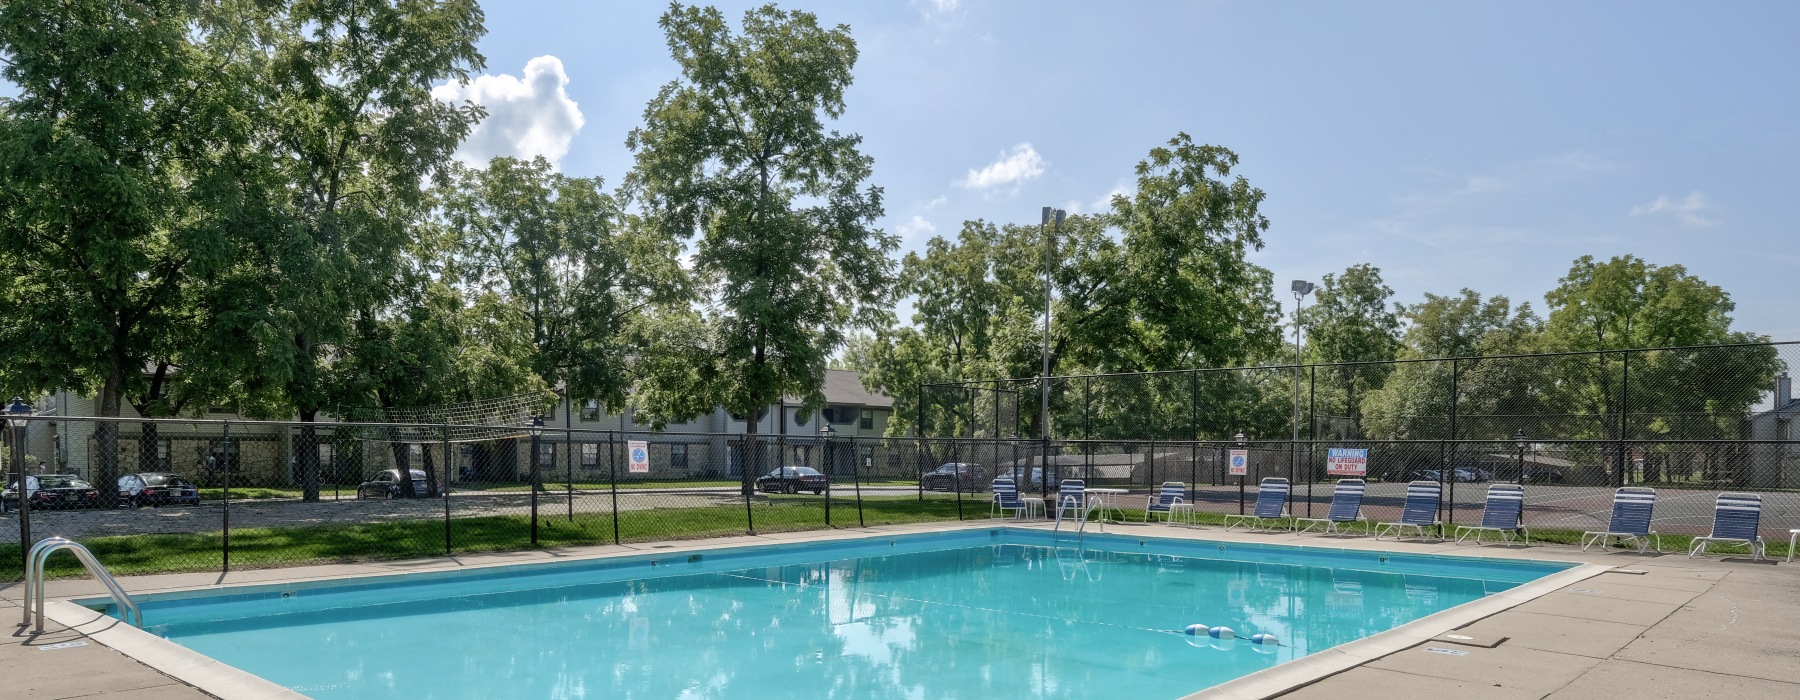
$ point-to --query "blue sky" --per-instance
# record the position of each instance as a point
(1451, 144)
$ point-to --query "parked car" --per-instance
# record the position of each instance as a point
(157, 489)
(1461, 475)
(387, 485)
(791, 480)
(955, 475)
(1032, 481)
(46, 491)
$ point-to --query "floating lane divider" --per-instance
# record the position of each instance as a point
(1225, 638)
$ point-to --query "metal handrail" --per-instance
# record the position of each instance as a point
(34, 581)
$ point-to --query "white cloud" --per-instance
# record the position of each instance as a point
(935, 203)
(1014, 167)
(1688, 211)
(1104, 203)
(915, 228)
(526, 117)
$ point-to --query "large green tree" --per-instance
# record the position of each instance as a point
(1352, 320)
(736, 155)
(1415, 400)
(352, 135)
(127, 198)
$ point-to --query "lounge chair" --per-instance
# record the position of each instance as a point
(1169, 500)
(1346, 509)
(1271, 507)
(1420, 511)
(1006, 499)
(1631, 511)
(1735, 519)
(1071, 499)
(1504, 513)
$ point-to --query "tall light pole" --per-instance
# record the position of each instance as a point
(1301, 288)
(19, 409)
(1519, 442)
(1044, 377)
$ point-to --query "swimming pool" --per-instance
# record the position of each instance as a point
(966, 614)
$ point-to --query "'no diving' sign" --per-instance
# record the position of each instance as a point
(1240, 463)
(640, 456)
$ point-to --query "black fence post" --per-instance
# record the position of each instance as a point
(750, 448)
(1312, 434)
(825, 452)
(535, 429)
(1449, 470)
(225, 532)
(1624, 403)
(612, 479)
(956, 472)
(858, 477)
(449, 468)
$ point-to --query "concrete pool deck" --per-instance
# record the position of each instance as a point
(1655, 627)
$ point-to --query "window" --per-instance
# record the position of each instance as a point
(590, 455)
(868, 420)
(678, 455)
(590, 410)
(162, 453)
(841, 415)
(546, 454)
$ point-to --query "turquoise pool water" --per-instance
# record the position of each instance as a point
(982, 614)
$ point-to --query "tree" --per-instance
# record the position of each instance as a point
(1629, 303)
(1414, 402)
(1351, 321)
(125, 200)
(736, 154)
(350, 133)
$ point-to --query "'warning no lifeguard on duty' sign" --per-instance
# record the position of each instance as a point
(1347, 461)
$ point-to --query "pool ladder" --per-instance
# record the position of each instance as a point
(34, 581)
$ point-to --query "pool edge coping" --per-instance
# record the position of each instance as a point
(1318, 666)
(223, 680)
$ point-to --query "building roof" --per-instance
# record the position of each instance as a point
(1788, 411)
(843, 386)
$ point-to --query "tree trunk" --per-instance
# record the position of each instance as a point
(431, 479)
(306, 447)
(403, 465)
(147, 439)
(105, 474)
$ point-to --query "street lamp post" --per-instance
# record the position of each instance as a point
(1241, 477)
(826, 432)
(537, 431)
(1519, 442)
(1044, 376)
(1301, 288)
(19, 409)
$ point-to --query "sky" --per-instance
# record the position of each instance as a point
(1452, 145)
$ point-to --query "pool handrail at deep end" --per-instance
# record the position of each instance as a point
(34, 582)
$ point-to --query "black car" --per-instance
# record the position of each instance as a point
(961, 476)
(791, 480)
(49, 491)
(157, 489)
(387, 485)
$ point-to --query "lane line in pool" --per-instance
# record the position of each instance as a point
(965, 607)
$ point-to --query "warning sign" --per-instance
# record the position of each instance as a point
(1347, 461)
(640, 456)
(1240, 463)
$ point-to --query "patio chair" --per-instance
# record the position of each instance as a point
(1420, 511)
(1735, 520)
(1007, 499)
(1504, 513)
(1631, 511)
(1169, 500)
(1071, 499)
(1271, 507)
(1346, 509)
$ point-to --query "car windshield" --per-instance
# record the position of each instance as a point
(418, 475)
(803, 471)
(156, 480)
(57, 482)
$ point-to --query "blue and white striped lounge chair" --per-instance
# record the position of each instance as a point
(1631, 511)
(1071, 500)
(1735, 519)
(1170, 500)
(1271, 507)
(1420, 511)
(1007, 499)
(1504, 513)
(1346, 509)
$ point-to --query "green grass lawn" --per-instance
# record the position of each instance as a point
(274, 547)
(293, 546)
